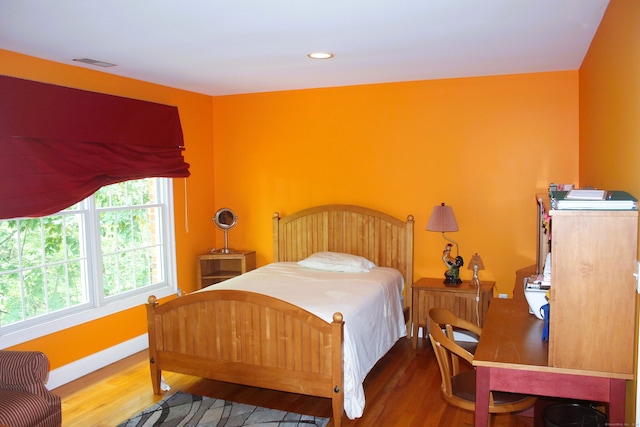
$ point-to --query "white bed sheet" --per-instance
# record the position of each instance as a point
(371, 305)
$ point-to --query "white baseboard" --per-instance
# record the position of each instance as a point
(82, 367)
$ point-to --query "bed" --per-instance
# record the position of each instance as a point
(231, 332)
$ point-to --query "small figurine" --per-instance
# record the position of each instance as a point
(452, 275)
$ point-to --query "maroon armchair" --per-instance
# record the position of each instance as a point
(24, 399)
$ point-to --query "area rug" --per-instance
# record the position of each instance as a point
(184, 409)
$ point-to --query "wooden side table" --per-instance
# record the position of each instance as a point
(430, 292)
(216, 267)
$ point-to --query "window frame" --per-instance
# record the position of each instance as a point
(98, 305)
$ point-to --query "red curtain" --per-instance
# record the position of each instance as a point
(59, 145)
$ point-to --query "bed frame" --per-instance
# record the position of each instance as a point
(247, 338)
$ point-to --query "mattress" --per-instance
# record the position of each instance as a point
(371, 305)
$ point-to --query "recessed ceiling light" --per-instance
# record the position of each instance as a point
(94, 62)
(320, 55)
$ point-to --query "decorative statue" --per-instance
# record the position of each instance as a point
(452, 275)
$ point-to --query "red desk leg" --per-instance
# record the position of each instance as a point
(617, 397)
(482, 397)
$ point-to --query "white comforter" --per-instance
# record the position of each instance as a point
(371, 305)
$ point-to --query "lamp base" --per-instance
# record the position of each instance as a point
(452, 276)
(454, 283)
(451, 279)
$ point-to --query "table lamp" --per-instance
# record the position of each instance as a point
(443, 220)
(475, 264)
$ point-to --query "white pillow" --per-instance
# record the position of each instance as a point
(336, 261)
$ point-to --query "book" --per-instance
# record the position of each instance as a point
(586, 194)
(612, 200)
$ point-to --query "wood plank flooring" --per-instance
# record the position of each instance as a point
(403, 389)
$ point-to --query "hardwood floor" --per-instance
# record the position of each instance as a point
(403, 389)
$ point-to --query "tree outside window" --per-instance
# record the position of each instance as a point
(117, 242)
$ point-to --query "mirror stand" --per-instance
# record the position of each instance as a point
(226, 249)
(224, 220)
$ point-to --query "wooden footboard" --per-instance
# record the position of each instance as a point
(248, 338)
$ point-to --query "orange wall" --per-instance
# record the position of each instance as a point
(196, 117)
(610, 112)
(610, 102)
(483, 145)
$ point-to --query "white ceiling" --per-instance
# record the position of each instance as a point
(220, 47)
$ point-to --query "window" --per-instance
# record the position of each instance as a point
(99, 256)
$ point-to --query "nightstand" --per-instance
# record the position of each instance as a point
(216, 267)
(428, 293)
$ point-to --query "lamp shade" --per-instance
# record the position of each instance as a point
(476, 261)
(442, 219)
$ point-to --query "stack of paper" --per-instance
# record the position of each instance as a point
(586, 195)
(593, 200)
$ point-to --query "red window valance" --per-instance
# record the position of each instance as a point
(59, 145)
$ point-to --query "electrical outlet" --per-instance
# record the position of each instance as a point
(505, 295)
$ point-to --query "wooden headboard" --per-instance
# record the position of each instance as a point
(377, 236)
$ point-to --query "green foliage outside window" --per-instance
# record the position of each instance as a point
(46, 263)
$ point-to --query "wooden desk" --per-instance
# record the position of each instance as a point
(428, 293)
(512, 357)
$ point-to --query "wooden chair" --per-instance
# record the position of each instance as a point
(458, 386)
(448, 320)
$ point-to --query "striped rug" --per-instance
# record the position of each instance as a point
(184, 409)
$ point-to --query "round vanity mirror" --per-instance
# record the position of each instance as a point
(224, 220)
